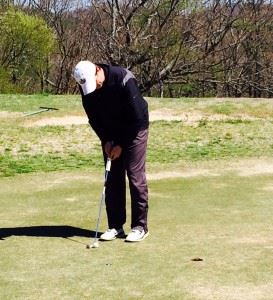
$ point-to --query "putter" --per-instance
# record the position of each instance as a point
(95, 243)
(41, 110)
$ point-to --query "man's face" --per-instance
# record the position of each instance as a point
(99, 77)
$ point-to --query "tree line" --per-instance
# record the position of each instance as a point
(175, 48)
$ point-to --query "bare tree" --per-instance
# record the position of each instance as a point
(245, 66)
(73, 28)
(178, 47)
(140, 35)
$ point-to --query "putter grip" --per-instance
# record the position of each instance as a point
(108, 165)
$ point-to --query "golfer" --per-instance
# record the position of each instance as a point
(118, 114)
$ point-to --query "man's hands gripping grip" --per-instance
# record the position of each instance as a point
(113, 152)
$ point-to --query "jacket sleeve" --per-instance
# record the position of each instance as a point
(95, 124)
(94, 120)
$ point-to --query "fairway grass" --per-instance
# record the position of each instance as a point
(226, 220)
(210, 174)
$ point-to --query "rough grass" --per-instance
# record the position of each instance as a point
(244, 131)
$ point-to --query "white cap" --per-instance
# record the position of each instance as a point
(85, 75)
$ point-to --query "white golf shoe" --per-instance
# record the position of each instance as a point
(111, 234)
(137, 234)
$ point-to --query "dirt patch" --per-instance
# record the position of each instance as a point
(156, 115)
(165, 114)
(252, 167)
(4, 114)
(185, 174)
(7, 114)
(58, 121)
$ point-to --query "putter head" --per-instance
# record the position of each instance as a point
(94, 245)
(49, 108)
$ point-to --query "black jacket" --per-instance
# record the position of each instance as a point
(117, 111)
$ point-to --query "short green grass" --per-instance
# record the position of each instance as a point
(50, 185)
(224, 220)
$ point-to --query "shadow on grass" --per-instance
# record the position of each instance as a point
(46, 231)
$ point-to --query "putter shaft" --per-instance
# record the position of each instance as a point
(102, 201)
(42, 109)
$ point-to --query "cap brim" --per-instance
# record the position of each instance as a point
(89, 86)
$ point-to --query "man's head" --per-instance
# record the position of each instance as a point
(89, 76)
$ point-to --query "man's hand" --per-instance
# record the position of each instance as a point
(108, 148)
(112, 152)
(115, 152)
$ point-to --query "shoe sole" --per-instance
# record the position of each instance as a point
(144, 237)
(107, 240)
(119, 236)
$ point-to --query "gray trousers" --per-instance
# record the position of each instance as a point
(132, 162)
